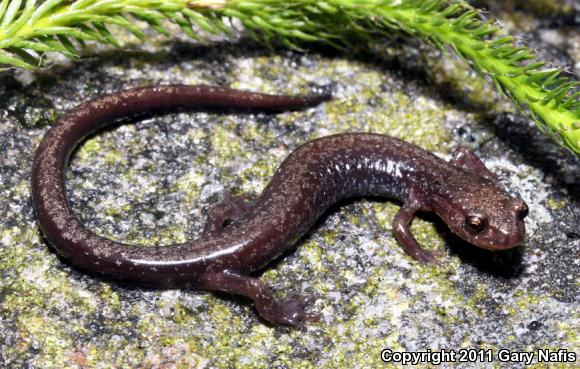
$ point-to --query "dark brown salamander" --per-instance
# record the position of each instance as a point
(243, 236)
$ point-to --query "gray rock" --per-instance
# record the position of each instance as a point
(153, 182)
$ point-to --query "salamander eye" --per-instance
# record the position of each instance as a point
(475, 223)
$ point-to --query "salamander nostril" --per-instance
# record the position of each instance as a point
(523, 210)
(520, 208)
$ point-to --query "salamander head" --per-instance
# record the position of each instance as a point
(483, 214)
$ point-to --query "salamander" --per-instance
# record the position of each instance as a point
(243, 235)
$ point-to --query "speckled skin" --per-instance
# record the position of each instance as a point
(243, 236)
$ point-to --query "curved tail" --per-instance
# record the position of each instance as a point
(57, 220)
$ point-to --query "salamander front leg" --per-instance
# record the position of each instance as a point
(286, 311)
(401, 228)
(466, 159)
(225, 212)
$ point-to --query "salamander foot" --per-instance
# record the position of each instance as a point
(290, 310)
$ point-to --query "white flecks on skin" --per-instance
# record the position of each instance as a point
(296, 195)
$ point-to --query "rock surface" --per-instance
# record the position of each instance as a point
(153, 182)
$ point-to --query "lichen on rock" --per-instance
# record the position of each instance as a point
(153, 182)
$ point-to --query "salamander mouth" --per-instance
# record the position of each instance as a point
(499, 241)
(492, 240)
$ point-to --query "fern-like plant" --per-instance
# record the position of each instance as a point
(29, 29)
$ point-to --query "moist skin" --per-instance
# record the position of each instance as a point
(244, 235)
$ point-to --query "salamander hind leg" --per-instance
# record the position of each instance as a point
(402, 231)
(225, 212)
(286, 311)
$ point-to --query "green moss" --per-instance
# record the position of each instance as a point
(411, 118)
(570, 331)
(110, 299)
(21, 189)
(384, 214)
(50, 338)
(552, 365)
(117, 212)
(190, 184)
(313, 255)
(254, 177)
(329, 235)
(93, 146)
(226, 145)
(115, 157)
(556, 204)
(39, 296)
(526, 301)
(252, 132)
